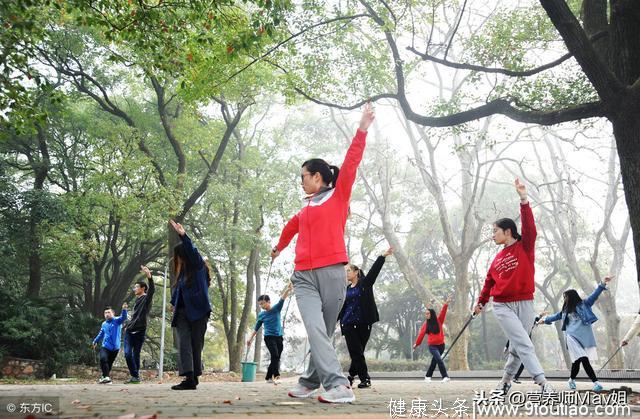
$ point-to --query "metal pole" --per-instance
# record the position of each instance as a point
(164, 321)
(411, 338)
(473, 316)
(610, 358)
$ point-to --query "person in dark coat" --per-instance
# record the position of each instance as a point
(358, 314)
(191, 307)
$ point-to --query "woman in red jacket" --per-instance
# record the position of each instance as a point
(432, 327)
(319, 278)
(510, 281)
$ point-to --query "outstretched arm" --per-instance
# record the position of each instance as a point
(551, 319)
(288, 232)
(591, 300)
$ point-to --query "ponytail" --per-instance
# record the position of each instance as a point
(336, 171)
(328, 172)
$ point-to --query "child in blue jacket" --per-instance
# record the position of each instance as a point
(110, 336)
(577, 318)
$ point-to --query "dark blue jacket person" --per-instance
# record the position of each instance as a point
(358, 314)
(190, 299)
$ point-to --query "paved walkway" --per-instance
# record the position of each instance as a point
(223, 399)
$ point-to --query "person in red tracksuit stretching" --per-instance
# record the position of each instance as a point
(432, 327)
(510, 281)
(319, 278)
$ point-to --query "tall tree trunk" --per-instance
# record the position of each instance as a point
(41, 169)
(626, 129)
(458, 360)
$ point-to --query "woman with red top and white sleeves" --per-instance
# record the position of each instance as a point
(510, 281)
(319, 278)
(433, 328)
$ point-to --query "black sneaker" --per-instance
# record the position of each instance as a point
(503, 389)
(185, 385)
(350, 378)
(365, 383)
(515, 380)
(132, 380)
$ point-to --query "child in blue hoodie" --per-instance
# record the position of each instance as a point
(110, 336)
(577, 318)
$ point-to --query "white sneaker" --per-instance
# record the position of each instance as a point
(338, 394)
(427, 379)
(104, 380)
(445, 380)
(547, 388)
(301, 392)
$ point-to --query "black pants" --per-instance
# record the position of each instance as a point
(436, 359)
(132, 347)
(357, 336)
(190, 343)
(575, 368)
(106, 360)
(274, 345)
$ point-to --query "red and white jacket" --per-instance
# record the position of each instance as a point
(320, 223)
(511, 274)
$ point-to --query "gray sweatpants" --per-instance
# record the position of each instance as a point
(320, 294)
(516, 319)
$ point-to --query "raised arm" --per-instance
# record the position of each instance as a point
(529, 232)
(443, 311)
(123, 315)
(371, 276)
(152, 285)
(352, 159)
(192, 253)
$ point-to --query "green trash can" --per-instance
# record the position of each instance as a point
(249, 371)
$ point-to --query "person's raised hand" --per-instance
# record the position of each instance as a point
(388, 252)
(177, 227)
(521, 189)
(368, 115)
(145, 271)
